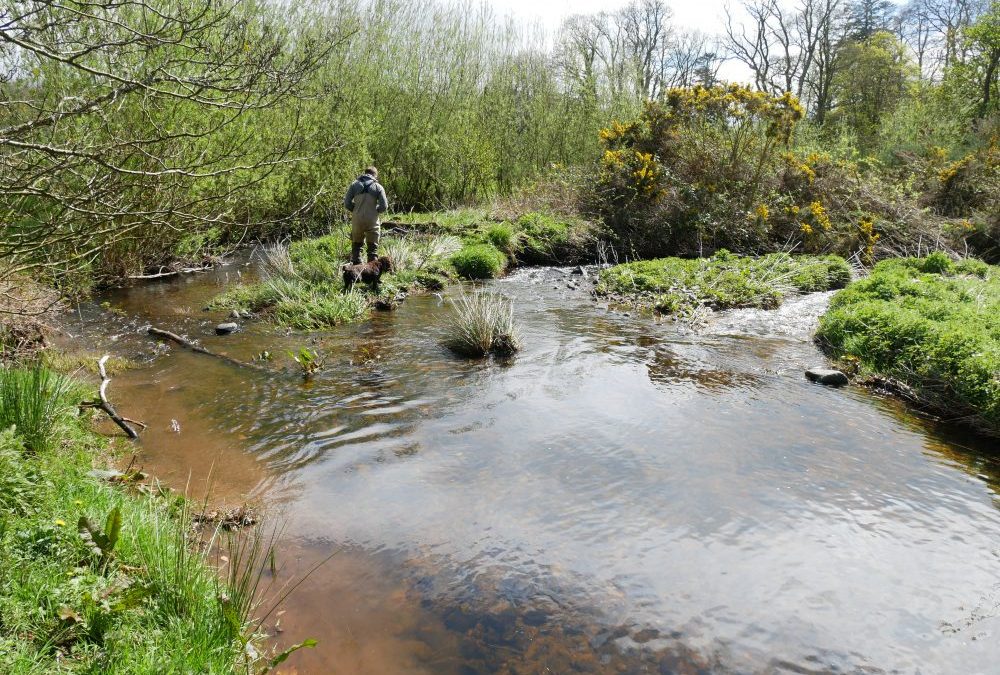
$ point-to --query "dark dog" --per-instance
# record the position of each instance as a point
(369, 272)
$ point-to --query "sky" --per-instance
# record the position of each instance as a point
(705, 15)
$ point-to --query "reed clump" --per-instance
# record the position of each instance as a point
(483, 323)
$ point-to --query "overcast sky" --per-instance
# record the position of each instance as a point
(705, 15)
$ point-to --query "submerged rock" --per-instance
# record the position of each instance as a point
(226, 328)
(827, 376)
(581, 271)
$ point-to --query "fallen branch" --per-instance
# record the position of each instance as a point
(171, 273)
(106, 406)
(184, 342)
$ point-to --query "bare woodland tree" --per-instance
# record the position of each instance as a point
(634, 54)
(128, 117)
(788, 48)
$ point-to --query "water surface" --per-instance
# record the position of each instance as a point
(625, 495)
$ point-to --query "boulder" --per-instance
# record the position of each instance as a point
(226, 328)
(580, 271)
(827, 376)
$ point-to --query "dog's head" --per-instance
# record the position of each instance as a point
(385, 264)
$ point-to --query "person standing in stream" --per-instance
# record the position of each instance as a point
(365, 199)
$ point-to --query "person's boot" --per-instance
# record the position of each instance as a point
(372, 252)
(356, 254)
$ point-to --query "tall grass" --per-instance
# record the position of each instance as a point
(151, 600)
(483, 323)
(275, 261)
(31, 400)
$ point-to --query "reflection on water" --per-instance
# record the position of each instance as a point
(626, 495)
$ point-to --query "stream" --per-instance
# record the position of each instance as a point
(625, 495)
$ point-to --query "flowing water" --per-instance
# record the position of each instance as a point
(625, 495)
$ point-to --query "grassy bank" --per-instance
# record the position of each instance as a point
(929, 325)
(301, 285)
(678, 285)
(98, 576)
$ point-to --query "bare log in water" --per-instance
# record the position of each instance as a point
(166, 272)
(106, 406)
(184, 342)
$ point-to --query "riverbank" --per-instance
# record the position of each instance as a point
(101, 571)
(928, 328)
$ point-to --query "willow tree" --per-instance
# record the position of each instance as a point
(131, 120)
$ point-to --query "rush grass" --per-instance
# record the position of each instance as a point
(929, 324)
(724, 281)
(152, 604)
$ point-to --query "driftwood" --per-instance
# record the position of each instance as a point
(168, 272)
(105, 405)
(184, 342)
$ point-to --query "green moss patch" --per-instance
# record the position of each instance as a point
(930, 324)
(675, 285)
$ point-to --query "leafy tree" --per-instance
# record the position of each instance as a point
(124, 119)
(872, 79)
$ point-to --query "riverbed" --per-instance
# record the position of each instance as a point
(627, 494)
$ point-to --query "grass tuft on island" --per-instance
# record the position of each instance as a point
(930, 328)
(97, 576)
(678, 285)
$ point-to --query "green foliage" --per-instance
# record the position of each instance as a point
(482, 323)
(32, 400)
(929, 324)
(479, 261)
(308, 361)
(676, 285)
(19, 484)
(101, 542)
(872, 76)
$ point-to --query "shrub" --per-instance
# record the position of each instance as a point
(929, 324)
(31, 401)
(483, 323)
(479, 261)
(691, 172)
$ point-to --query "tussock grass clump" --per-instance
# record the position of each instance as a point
(673, 285)
(479, 261)
(483, 323)
(31, 401)
(929, 324)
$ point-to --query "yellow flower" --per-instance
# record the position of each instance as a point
(60, 522)
(762, 212)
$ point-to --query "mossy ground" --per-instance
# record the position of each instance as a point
(152, 606)
(930, 324)
(677, 285)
